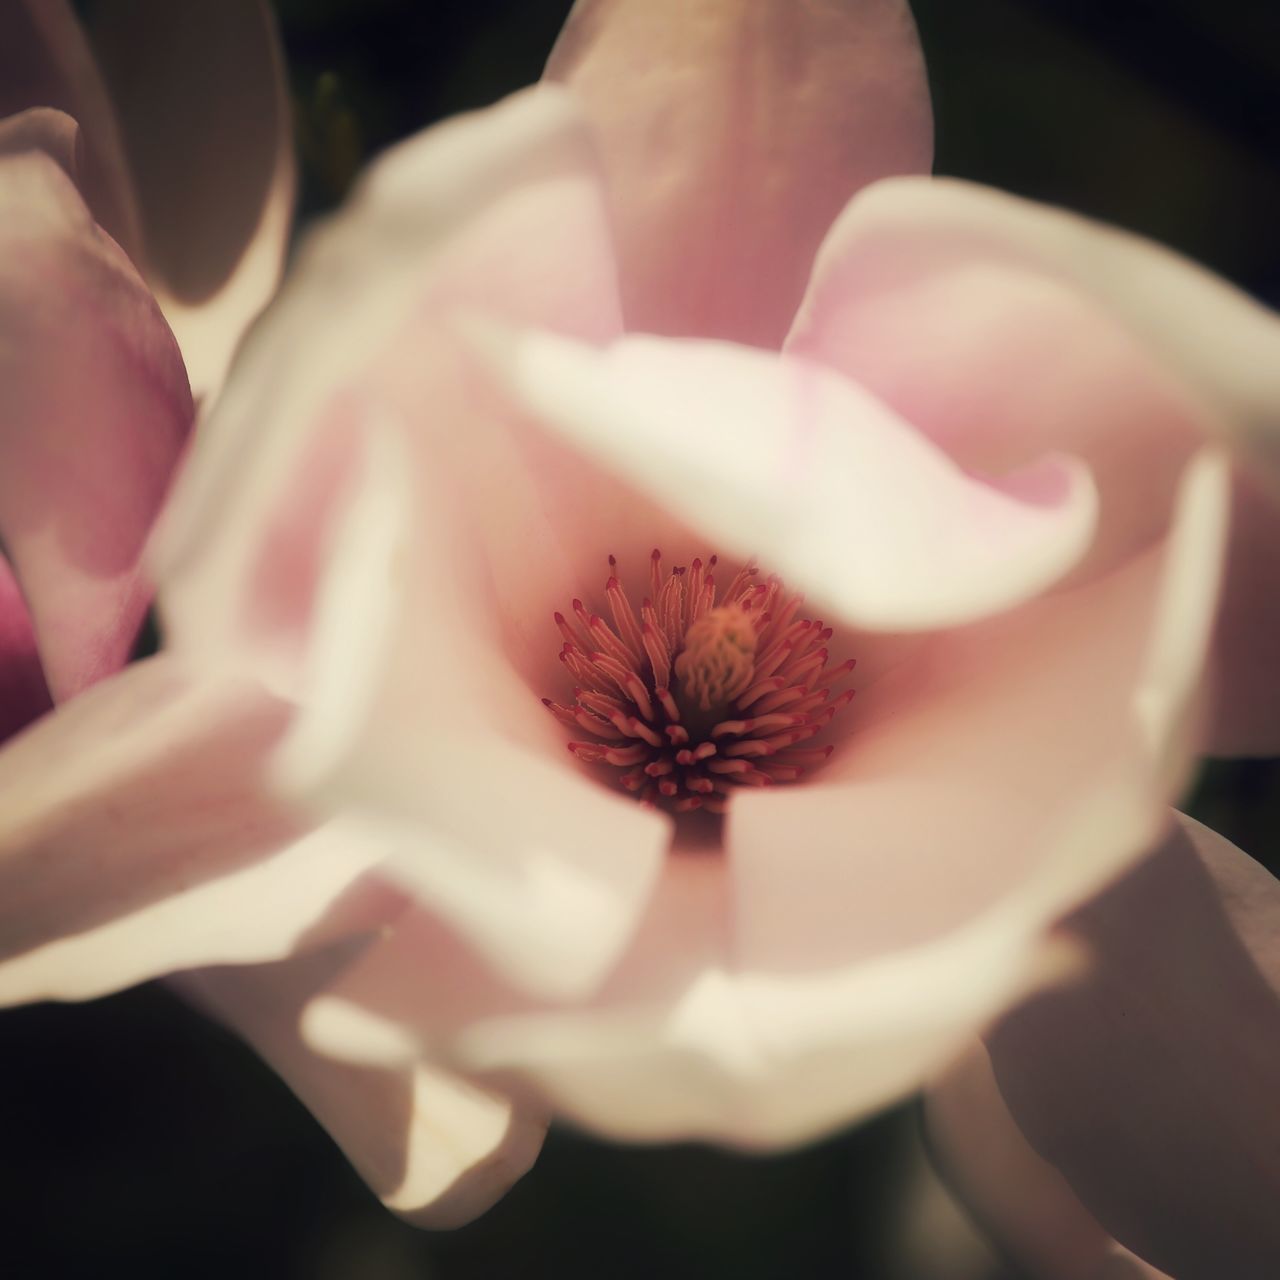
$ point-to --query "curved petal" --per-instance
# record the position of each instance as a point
(1002, 329)
(455, 518)
(204, 112)
(680, 1042)
(784, 458)
(999, 360)
(1224, 347)
(948, 796)
(303, 894)
(1150, 1085)
(45, 61)
(95, 409)
(137, 839)
(709, 1028)
(1020, 1200)
(732, 134)
(437, 1150)
(551, 899)
(449, 213)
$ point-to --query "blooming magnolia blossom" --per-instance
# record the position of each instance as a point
(440, 572)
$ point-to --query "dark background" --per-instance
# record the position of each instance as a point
(137, 1139)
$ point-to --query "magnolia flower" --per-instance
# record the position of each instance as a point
(115, 236)
(512, 853)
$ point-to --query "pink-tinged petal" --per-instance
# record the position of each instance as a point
(1220, 346)
(204, 113)
(437, 1150)
(1246, 677)
(1150, 1085)
(1003, 329)
(1022, 1202)
(24, 695)
(681, 1042)
(45, 61)
(999, 360)
(490, 183)
(422, 696)
(968, 782)
(732, 134)
(713, 1027)
(548, 882)
(784, 458)
(137, 838)
(94, 409)
(302, 894)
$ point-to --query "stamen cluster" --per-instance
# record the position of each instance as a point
(693, 696)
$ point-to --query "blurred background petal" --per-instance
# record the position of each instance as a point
(204, 114)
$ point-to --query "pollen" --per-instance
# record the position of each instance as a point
(699, 691)
(719, 656)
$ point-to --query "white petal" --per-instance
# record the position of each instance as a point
(308, 891)
(436, 1149)
(1221, 342)
(779, 458)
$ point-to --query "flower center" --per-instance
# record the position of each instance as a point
(719, 657)
(692, 696)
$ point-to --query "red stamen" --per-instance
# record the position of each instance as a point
(692, 744)
(656, 647)
(607, 642)
(783, 698)
(624, 618)
(759, 690)
(668, 704)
